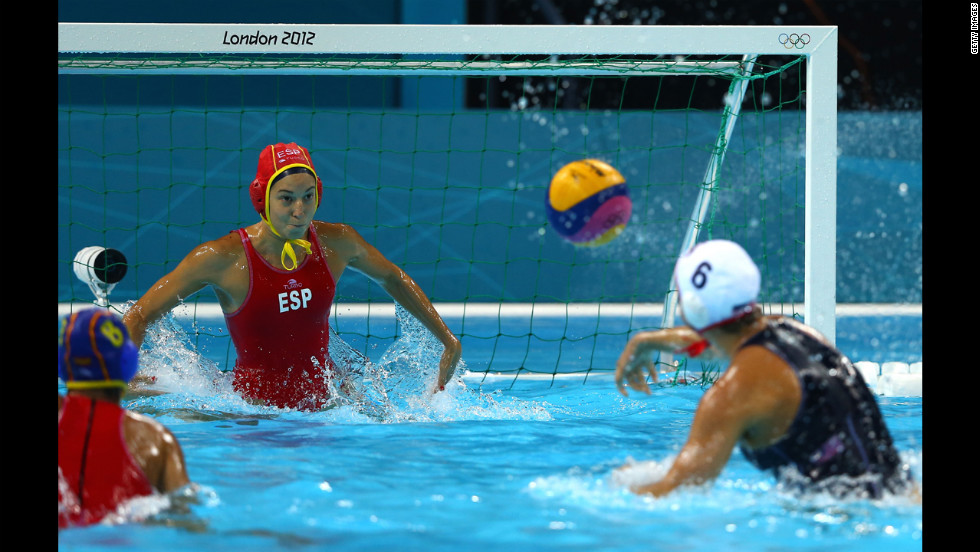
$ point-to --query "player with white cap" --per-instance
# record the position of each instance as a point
(788, 399)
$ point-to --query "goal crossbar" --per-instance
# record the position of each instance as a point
(444, 39)
(396, 67)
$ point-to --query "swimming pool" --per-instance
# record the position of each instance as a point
(495, 463)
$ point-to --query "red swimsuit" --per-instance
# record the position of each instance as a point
(96, 471)
(281, 331)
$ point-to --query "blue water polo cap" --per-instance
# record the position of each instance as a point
(95, 351)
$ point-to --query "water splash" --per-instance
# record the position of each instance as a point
(172, 361)
(174, 509)
(742, 501)
(396, 388)
(68, 502)
(170, 509)
(408, 370)
(634, 473)
(738, 488)
(360, 384)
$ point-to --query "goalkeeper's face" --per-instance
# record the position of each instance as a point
(292, 204)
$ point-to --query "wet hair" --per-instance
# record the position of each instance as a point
(289, 171)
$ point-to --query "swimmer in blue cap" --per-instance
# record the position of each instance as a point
(106, 454)
(791, 402)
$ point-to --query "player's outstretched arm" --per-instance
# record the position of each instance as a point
(367, 260)
(636, 360)
(198, 269)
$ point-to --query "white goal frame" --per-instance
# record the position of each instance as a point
(819, 47)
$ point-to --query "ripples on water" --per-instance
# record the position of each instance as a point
(531, 464)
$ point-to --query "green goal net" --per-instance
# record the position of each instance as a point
(438, 144)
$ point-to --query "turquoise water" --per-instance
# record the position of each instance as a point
(492, 464)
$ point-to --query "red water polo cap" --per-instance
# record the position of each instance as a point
(277, 160)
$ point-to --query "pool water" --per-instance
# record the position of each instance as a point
(493, 463)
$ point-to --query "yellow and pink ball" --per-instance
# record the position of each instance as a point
(588, 203)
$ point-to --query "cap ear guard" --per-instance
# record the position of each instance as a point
(256, 191)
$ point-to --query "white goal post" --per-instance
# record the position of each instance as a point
(817, 43)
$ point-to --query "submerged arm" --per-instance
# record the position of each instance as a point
(713, 436)
(757, 396)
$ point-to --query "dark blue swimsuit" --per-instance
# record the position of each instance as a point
(838, 441)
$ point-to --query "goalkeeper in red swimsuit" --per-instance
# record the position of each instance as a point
(275, 282)
(106, 454)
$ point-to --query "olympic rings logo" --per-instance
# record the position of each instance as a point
(794, 40)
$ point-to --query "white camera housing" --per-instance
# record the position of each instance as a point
(100, 268)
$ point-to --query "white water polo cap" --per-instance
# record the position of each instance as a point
(717, 282)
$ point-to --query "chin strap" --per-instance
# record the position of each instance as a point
(694, 349)
(287, 248)
(287, 251)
